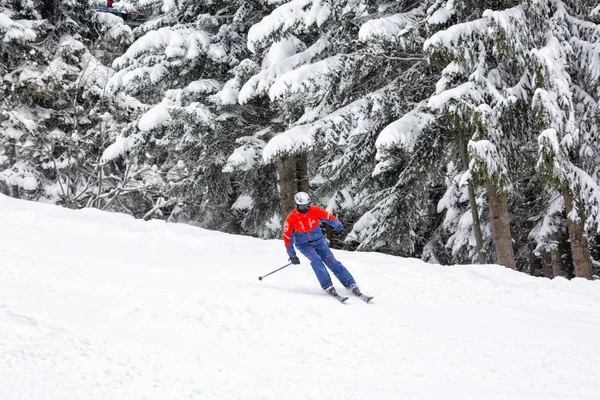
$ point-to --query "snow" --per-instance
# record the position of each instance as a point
(465, 90)
(16, 30)
(216, 51)
(168, 5)
(115, 26)
(29, 183)
(153, 310)
(390, 26)
(507, 18)
(120, 146)
(156, 116)
(161, 113)
(294, 140)
(284, 17)
(182, 42)
(261, 82)
(595, 13)
(203, 86)
(440, 16)
(229, 94)
(308, 77)
(281, 50)
(336, 127)
(26, 117)
(487, 153)
(244, 202)
(21, 178)
(296, 15)
(244, 157)
(454, 35)
(549, 137)
(10, 132)
(449, 73)
(405, 131)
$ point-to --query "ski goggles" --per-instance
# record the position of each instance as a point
(302, 207)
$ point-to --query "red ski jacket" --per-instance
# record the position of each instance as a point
(300, 228)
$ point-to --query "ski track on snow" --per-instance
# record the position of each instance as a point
(98, 305)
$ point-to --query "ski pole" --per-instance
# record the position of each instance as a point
(260, 278)
(354, 238)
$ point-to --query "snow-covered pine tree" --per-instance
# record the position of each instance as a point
(181, 79)
(336, 72)
(52, 86)
(427, 142)
(493, 66)
(491, 58)
(20, 27)
(567, 90)
(480, 92)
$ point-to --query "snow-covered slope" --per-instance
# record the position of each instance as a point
(101, 306)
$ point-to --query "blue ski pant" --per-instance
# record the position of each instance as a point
(320, 255)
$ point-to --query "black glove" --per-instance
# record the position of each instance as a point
(341, 231)
(295, 260)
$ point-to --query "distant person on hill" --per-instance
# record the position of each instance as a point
(301, 229)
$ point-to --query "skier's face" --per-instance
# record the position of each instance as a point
(303, 208)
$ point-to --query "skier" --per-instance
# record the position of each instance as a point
(301, 228)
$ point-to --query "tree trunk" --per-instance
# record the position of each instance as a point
(560, 260)
(293, 178)
(500, 227)
(302, 172)
(558, 263)
(577, 236)
(11, 153)
(547, 271)
(472, 203)
(98, 198)
(286, 168)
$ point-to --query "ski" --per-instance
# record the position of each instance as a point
(331, 291)
(339, 298)
(356, 291)
(365, 298)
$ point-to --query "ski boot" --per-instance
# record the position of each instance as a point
(356, 291)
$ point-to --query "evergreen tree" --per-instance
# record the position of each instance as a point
(52, 85)
(491, 82)
(181, 78)
(337, 72)
(566, 105)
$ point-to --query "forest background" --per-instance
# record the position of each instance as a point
(451, 131)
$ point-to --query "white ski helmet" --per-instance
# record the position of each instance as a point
(302, 199)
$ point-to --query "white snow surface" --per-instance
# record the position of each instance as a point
(96, 305)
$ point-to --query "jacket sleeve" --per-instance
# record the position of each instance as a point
(328, 218)
(287, 237)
